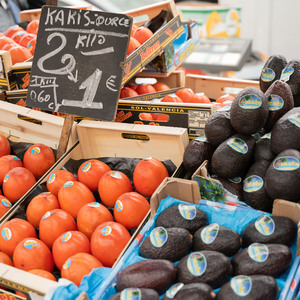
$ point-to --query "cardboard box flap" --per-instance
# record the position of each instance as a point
(109, 139)
(286, 209)
(18, 121)
(183, 189)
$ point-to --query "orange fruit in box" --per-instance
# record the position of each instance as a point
(171, 98)
(9, 46)
(108, 241)
(43, 273)
(12, 30)
(142, 34)
(5, 259)
(127, 92)
(92, 215)
(145, 89)
(57, 179)
(39, 205)
(112, 185)
(33, 26)
(31, 46)
(133, 29)
(18, 36)
(133, 86)
(4, 146)
(5, 40)
(38, 159)
(159, 86)
(79, 265)
(90, 172)
(12, 232)
(19, 54)
(68, 244)
(17, 182)
(225, 98)
(32, 253)
(200, 98)
(7, 163)
(130, 209)
(133, 44)
(26, 39)
(185, 94)
(54, 223)
(73, 195)
(5, 205)
(148, 175)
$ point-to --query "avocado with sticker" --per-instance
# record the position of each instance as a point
(167, 243)
(254, 287)
(142, 293)
(217, 238)
(270, 230)
(263, 149)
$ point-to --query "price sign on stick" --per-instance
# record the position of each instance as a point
(77, 66)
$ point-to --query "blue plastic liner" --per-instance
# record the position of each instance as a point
(100, 284)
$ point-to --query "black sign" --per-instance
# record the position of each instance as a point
(77, 66)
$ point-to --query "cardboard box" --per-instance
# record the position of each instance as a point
(107, 139)
(7, 81)
(213, 20)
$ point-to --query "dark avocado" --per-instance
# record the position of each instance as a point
(142, 294)
(218, 127)
(291, 75)
(197, 151)
(156, 274)
(270, 230)
(249, 111)
(205, 266)
(286, 132)
(217, 238)
(167, 243)
(271, 71)
(262, 259)
(283, 176)
(186, 216)
(254, 192)
(263, 149)
(233, 157)
(190, 291)
(254, 287)
(280, 99)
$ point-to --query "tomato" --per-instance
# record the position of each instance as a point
(38, 159)
(148, 175)
(4, 146)
(133, 44)
(32, 253)
(145, 89)
(26, 39)
(142, 34)
(171, 98)
(43, 273)
(19, 54)
(108, 241)
(17, 182)
(57, 179)
(33, 26)
(14, 231)
(133, 29)
(130, 209)
(39, 205)
(68, 244)
(133, 86)
(73, 195)
(79, 265)
(31, 46)
(112, 185)
(9, 46)
(159, 86)
(54, 223)
(185, 94)
(7, 163)
(90, 216)
(17, 36)
(12, 30)
(5, 205)
(5, 259)
(225, 98)
(5, 40)
(90, 173)
(127, 92)
(200, 98)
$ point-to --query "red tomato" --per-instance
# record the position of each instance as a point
(54, 223)
(4, 146)
(225, 98)
(200, 98)
(5, 40)
(17, 36)
(68, 244)
(5, 259)
(127, 92)
(148, 175)
(32, 253)
(17, 182)
(33, 26)
(133, 29)
(112, 185)
(73, 195)
(142, 34)
(171, 98)
(14, 231)
(31, 46)
(19, 54)
(133, 44)
(108, 241)
(90, 173)
(5, 206)
(12, 30)
(159, 86)
(26, 39)
(39, 205)
(145, 89)
(43, 273)
(7, 163)
(90, 216)
(185, 94)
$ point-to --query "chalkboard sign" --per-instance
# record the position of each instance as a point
(77, 66)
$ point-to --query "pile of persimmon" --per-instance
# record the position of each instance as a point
(20, 42)
(18, 176)
(76, 233)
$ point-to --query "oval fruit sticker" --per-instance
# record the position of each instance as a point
(295, 119)
(158, 237)
(253, 184)
(66, 236)
(117, 175)
(86, 167)
(275, 102)
(265, 225)
(35, 150)
(267, 75)
(241, 285)
(119, 205)
(286, 74)
(286, 163)
(238, 145)
(30, 244)
(131, 294)
(209, 233)
(187, 211)
(196, 263)
(6, 234)
(258, 252)
(250, 101)
(202, 139)
(106, 230)
(174, 289)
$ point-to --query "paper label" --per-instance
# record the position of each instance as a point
(66, 236)
(286, 74)
(30, 244)
(6, 234)
(267, 75)
(51, 178)
(117, 175)
(202, 139)
(265, 225)
(253, 184)
(209, 233)
(68, 184)
(286, 163)
(158, 237)
(5, 202)
(187, 211)
(197, 263)
(174, 289)
(94, 204)
(258, 252)
(106, 230)
(86, 167)
(250, 101)
(119, 205)
(131, 294)
(275, 102)
(241, 285)
(295, 119)
(35, 150)
(238, 145)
